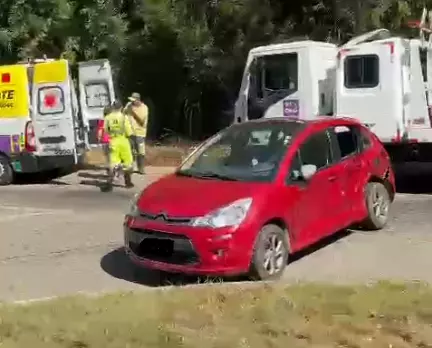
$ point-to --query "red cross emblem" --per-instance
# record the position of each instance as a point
(50, 100)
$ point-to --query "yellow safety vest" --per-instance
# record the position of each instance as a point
(117, 125)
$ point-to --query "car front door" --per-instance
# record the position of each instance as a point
(317, 200)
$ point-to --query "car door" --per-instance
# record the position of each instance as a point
(317, 200)
(351, 148)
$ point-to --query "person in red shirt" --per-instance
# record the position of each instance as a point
(103, 137)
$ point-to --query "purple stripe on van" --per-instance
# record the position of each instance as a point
(5, 143)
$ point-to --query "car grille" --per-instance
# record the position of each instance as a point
(166, 218)
(162, 247)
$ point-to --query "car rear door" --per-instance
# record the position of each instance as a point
(52, 109)
(352, 147)
(318, 200)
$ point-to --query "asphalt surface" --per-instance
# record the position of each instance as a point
(65, 237)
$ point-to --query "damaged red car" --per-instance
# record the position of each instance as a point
(255, 193)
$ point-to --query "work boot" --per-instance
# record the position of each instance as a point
(140, 164)
(128, 180)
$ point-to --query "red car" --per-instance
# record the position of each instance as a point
(257, 192)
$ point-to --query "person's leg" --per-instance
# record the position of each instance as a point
(134, 149)
(127, 160)
(140, 141)
(106, 150)
(114, 161)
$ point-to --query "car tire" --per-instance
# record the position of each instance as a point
(270, 255)
(378, 205)
(6, 172)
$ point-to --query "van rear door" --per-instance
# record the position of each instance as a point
(96, 91)
(52, 115)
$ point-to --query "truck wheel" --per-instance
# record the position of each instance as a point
(6, 172)
(378, 203)
(270, 255)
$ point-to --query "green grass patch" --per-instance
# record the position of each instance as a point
(228, 316)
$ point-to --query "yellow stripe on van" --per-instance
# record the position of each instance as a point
(55, 72)
(14, 91)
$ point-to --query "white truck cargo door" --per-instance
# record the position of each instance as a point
(96, 91)
(52, 111)
(369, 86)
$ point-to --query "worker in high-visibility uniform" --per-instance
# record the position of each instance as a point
(137, 112)
(119, 129)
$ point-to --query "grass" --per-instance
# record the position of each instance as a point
(315, 315)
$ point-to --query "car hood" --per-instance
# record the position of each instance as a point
(189, 197)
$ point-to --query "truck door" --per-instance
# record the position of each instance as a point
(274, 86)
(96, 91)
(369, 86)
(52, 109)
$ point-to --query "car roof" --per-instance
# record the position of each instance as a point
(319, 120)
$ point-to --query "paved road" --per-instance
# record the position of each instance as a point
(65, 237)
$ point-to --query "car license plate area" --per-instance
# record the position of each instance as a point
(156, 247)
(161, 246)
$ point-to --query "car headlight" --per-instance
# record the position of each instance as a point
(230, 215)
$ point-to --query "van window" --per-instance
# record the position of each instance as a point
(361, 71)
(97, 95)
(278, 72)
(51, 100)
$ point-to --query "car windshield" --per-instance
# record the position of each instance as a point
(249, 151)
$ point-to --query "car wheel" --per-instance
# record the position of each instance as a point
(6, 172)
(270, 254)
(378, 205)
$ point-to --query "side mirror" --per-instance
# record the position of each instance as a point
(308, 171)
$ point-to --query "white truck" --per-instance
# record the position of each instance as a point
(381, 80)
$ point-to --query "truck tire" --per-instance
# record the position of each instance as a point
(377, 203)
(6, 172)
(270, 256)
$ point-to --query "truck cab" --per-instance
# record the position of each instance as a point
(293, 79)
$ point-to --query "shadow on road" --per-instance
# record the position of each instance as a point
(117, 264)
(414, 178)
(50, 177)
(97, 176)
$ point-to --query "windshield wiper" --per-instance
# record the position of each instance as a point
(212, 175)
(206, 175)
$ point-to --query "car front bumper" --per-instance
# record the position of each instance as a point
(186, 249)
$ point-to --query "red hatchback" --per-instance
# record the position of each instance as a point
(256, 192)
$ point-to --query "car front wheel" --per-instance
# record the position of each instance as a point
(270, 254)
(378, 205)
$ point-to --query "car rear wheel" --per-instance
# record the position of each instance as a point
(378, 205)
(6, 172)
(270, 255)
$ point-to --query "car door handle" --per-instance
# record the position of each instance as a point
(332, 178)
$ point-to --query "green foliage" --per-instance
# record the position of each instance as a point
(185, 56)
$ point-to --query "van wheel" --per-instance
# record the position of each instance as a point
(378, 205)
(270, 254)
(6, 172)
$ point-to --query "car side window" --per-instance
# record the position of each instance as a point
(347, 139)
(365, 141)
(315, 150)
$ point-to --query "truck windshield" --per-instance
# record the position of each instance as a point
(249, 151)
(277, 73)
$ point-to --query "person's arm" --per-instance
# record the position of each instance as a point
(141, 119)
